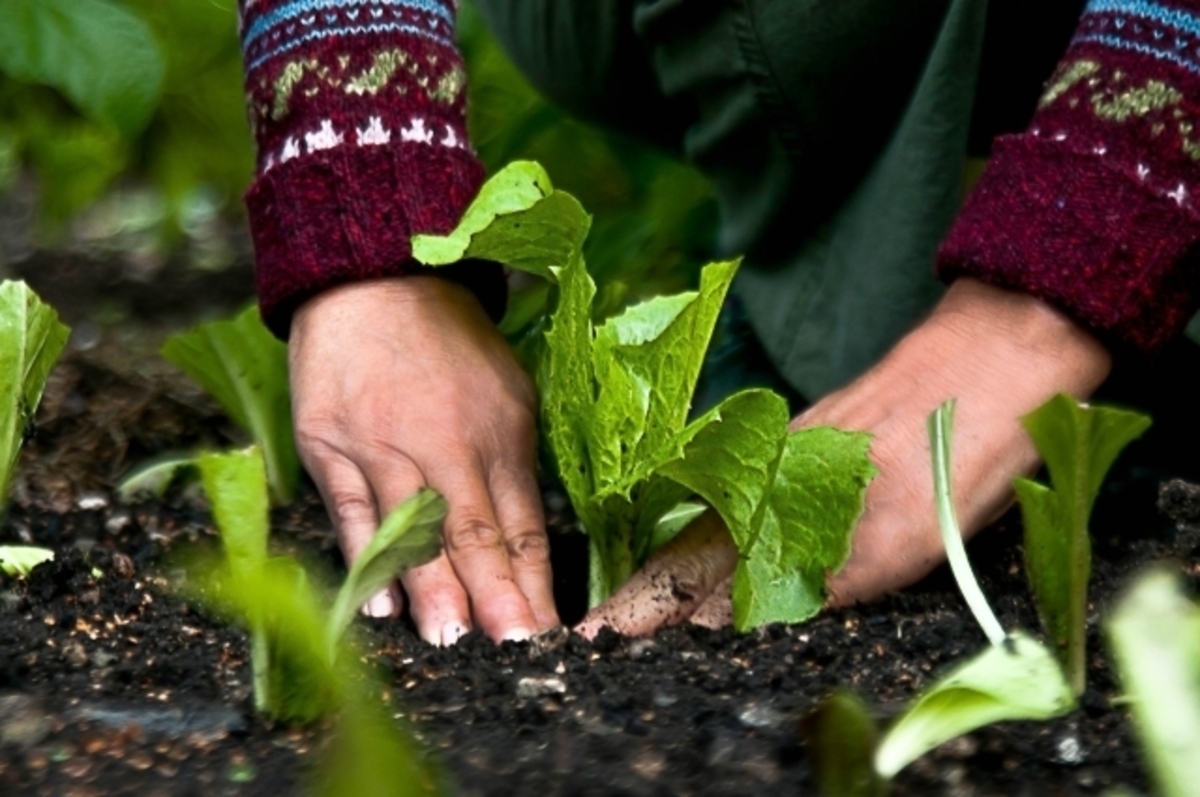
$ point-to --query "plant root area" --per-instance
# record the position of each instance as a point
(111, 685)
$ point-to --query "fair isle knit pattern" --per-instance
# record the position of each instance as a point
(1096, 207)
(358, 108)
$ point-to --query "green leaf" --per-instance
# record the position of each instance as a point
(1018, 679)
(1079, 444)
(236, 485)
(369, 756)
(244, 367)
(154, 477)
(18, 560)
(669, 525)
(517, 219)
(99, 55)
(31, 340)
(1154, 634)
(841, 738)
(410, 536)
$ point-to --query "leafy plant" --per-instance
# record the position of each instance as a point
(1154, 635)
(1014, 678)
(31, 340)
(615, 399)
(244, 367)
(19, 560)
(1079, 444)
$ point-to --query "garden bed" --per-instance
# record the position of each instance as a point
(109, 685)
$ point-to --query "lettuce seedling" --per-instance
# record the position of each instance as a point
(242, 365)
(294, 641)
(18, 561)
(1154, 635)
(1014, 678)
(31, 341)
(615, 400)
(1079, 444)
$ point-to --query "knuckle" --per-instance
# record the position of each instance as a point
(352, 509)
(473, 534)
(529, 547)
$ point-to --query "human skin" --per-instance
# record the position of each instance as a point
(403, 383)
(1000, 354)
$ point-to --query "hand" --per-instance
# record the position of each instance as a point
(1001, 354)
(402, 383)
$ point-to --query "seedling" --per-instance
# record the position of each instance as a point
(1014, 678)
(241, 364)
(615, 399)
(1079, 444)
(31, 340)
(1154, 635)
(18, 561)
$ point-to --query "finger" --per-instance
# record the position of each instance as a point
(351, 506)
(518, 503)
(437, 600)
(674, 583)
(717, 609)
(476, 548)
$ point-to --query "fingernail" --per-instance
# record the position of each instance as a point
(452, 632)
(381, 605)
(517, 635)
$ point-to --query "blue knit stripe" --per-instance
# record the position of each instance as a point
(349, 30)
(1171, 17)
(300, 8)
(1190, 64)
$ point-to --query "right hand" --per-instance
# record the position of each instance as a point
(403, 383)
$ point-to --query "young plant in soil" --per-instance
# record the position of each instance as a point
(1154, 635)
(302, 666)
(1079, 444)
(16, 561)
(244, 367)
(615, 401)
(1014, 678)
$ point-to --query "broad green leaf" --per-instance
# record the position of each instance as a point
(1154, 634)
(1018, 679)
(153, 478)
(410, 536)
(841, 738)
(370, 756)
(19, 560)
(566, 382)
(673, 522)
(236, 485)
(31, 340)
(1079, 444)
(244, 367)
(518, 219)
(99, 55)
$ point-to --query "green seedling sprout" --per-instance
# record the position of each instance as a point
(241, 364)
(615, 401)
(31, 341)
(1013, 678)
(17, 561)
(1079, 444)
(1154, 635)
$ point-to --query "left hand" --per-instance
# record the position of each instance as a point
(1001, 354)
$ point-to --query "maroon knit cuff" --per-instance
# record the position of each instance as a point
(1106, 247)
(348, 214)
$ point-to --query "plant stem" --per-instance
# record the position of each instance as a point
(940, 425)
(611, 561)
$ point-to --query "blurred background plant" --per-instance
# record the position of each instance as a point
(122, 129)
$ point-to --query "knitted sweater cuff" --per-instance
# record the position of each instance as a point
(1113, 250)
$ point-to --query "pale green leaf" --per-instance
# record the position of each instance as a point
(517, 219)
(236, 485)
(676, 520)
(244, 367)
(19, 560)
(1155, 638)
(841, 739)
(1018, 679)
(1079, 444)
(31, 341)
(98, 54)
(411, 535)
(154, 477)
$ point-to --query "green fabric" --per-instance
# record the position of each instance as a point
(835, 134)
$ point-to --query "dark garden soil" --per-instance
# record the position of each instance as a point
(109, 685)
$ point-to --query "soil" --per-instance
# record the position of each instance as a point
(110, 685)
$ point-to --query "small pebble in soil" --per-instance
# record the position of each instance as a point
(529, 688)
(760, 716)
(23, 722)
(1069, 751)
